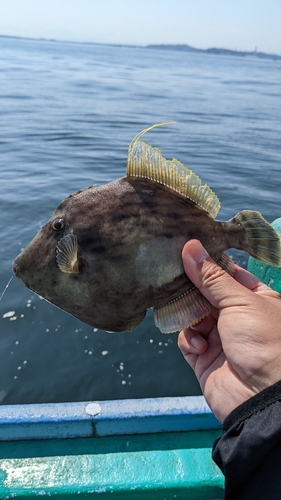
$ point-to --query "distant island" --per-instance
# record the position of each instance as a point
(226, 52)
(162, 46)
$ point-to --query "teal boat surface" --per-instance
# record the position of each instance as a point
(138, 449)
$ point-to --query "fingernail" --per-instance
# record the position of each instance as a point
(196, 343)
(194, 251)
(198, 252)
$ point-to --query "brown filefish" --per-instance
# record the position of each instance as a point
(109, 253)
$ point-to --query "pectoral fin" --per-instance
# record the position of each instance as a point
(67, 254)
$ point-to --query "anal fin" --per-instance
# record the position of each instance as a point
(189, 308)
(184, 311)
(226, 263)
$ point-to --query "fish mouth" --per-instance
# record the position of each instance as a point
(15, 268)
(16, 271)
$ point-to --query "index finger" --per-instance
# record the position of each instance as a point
(248, 280)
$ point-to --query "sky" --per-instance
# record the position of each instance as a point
(232, 24)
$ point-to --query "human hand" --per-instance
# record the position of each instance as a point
(235, 351)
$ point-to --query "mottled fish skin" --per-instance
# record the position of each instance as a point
(125, 241)
(130, 235)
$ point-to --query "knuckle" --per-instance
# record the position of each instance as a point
(212, 274)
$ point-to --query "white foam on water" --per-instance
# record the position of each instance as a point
(9, 314)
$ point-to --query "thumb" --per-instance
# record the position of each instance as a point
(219, 288)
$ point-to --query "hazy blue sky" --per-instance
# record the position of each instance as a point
(233, 24)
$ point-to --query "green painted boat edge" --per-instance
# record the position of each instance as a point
(139, 449)
(138, 466)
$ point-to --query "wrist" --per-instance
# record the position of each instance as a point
(252, 405)
(226, 394)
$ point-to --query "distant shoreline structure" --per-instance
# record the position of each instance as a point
(225, 52)
(162, 46)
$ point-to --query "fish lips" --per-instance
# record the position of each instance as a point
(18, 266)
(15, 268)
(31, 265)
(20, 270)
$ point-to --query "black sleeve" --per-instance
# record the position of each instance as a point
(249, 451)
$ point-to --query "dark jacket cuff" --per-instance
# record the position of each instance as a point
(249, 451)
(253, 405)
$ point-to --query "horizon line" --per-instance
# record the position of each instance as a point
(151, 45)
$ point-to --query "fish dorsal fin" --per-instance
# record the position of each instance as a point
(147, 162)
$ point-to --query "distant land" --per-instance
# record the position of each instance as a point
(225, 52)
(177, 47)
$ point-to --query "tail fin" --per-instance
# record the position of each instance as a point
(263, 243)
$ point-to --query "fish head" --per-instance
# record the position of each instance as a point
(56, 263)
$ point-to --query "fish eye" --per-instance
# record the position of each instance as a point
(58, 224)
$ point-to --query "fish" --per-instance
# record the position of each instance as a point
(110, 253)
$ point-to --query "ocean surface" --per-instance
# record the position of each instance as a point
(68, 112)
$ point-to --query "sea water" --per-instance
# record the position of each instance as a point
(68, 112)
